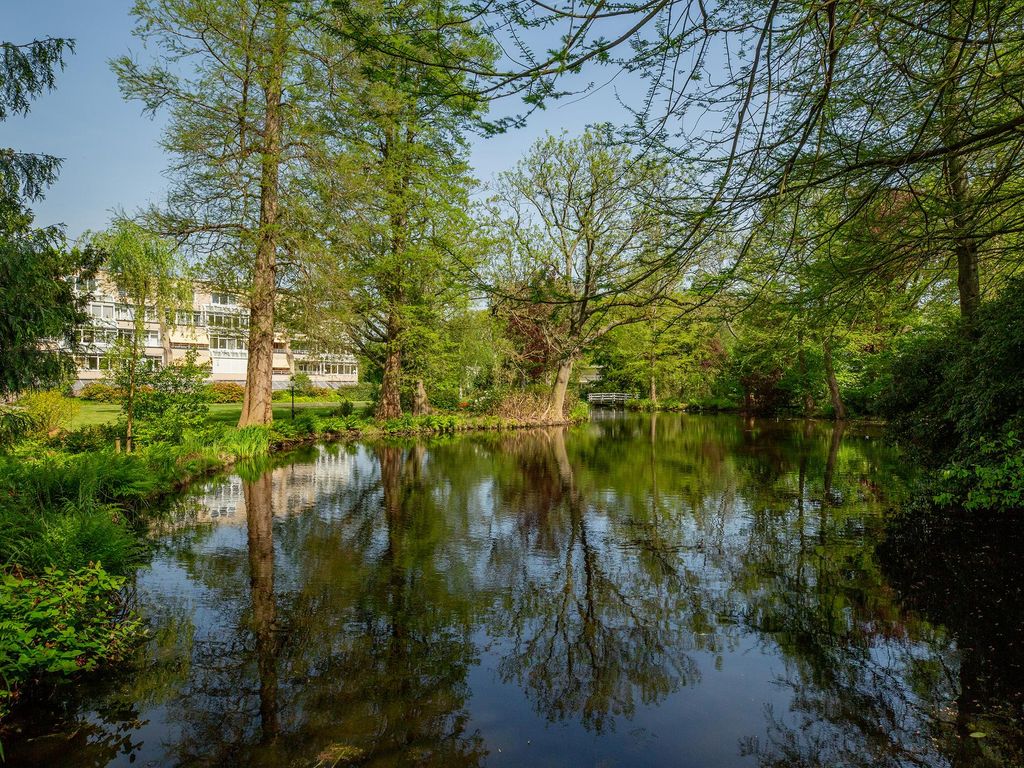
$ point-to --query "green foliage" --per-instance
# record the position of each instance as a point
(680, 353)
(70, 537)
(302, 384)
(49, 410)
(15, 425)
(956, 385)
(59, 624)
(579, 412)
(63, 481)
(992, 480)
(346, 408)
(101, 392)
(955, 397)
(28, 72)
(38, 305)
(174, 402)
(225, 392)
(97, 437)
(247, 442)
(309, 395)
(308, 422)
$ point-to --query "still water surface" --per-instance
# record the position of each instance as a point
(638, 591)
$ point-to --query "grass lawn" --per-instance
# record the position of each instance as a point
(226, 413)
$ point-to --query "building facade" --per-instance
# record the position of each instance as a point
(216, 326)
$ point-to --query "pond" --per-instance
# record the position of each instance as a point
(665, 590)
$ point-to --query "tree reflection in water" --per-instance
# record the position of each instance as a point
(259, 511)
(398, 603)
(593, 629)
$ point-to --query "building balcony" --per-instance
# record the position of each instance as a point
(237, 354)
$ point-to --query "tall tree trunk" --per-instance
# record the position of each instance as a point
(133, 371)
(968, 280)
(833, 385)
(138, 333)
(259, 513)
(257, 404)
(420, 403)
(965, 244)
(556, 409)
(389, 404)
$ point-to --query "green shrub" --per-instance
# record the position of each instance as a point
(364, 390)
(404, 423)
(346, 408)
(953, 387)
(15, 425)
(714, 403)
(302, 384)
(580, 412)
(643, 404)
(60, 624)
(100, 392)
(310, 395)
(224, 392)
(352, 422)
(283, 430)
(955, 396)
(915, 400)
(175, 404)
(308, 423)
(96, 437)
(49, 410)
(992, 480)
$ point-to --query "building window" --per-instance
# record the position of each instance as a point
(188, 318)
(227, 321)
(150, 338)
(93, 362)
(326, 369)
(102, 311)
(95, 336)
(225, 299)
(226, 342)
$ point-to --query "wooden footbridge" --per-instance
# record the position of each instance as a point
(609, 399)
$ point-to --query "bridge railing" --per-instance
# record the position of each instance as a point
(608, 398)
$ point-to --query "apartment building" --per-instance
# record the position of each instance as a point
(216, 326)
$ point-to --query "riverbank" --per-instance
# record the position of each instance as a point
(91, 414)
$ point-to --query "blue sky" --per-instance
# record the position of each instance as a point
(112, 156)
